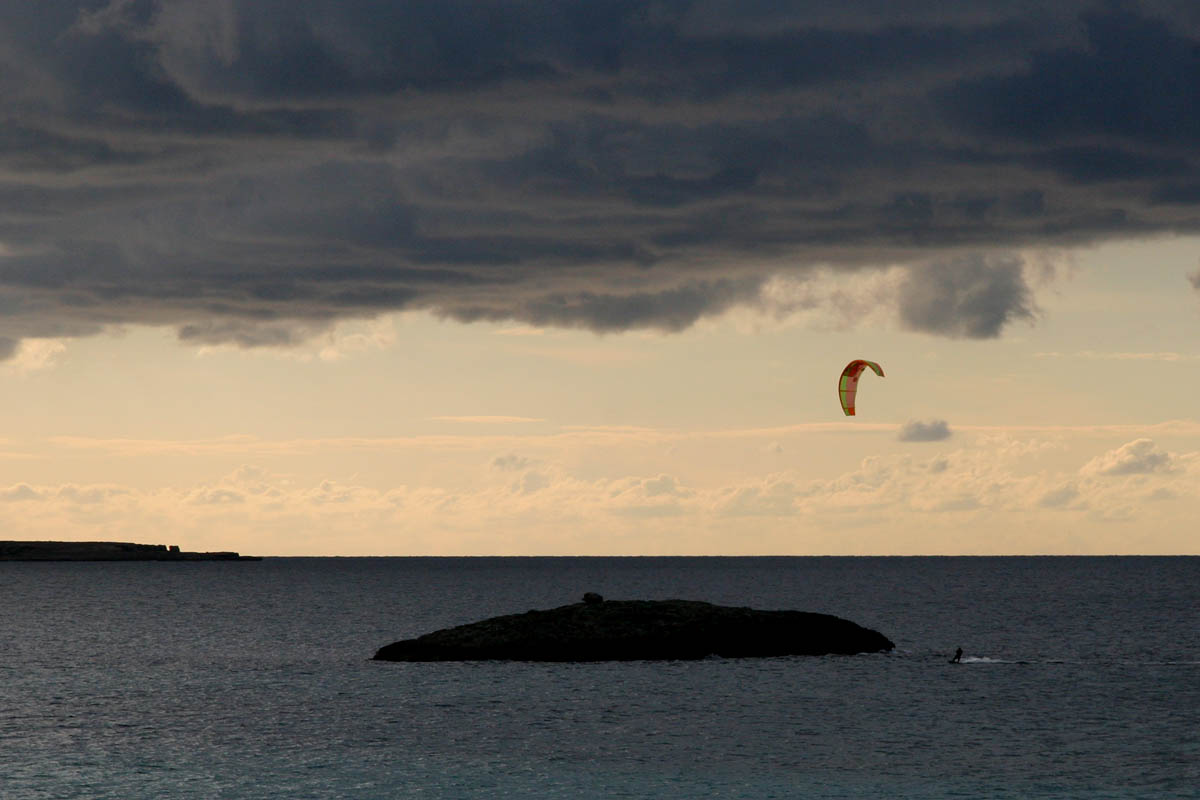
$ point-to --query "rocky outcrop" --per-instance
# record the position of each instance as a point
(107, 551)
(622, 630)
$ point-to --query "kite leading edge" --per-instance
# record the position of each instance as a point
(848, 385)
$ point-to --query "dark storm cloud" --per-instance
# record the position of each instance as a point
(970, 297)
(253, 171)
(1134, 79)
(672, 309)
(935, 430)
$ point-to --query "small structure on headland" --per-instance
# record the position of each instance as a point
(625, 630)
(107, 551)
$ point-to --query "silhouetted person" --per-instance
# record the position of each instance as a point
(957, 656)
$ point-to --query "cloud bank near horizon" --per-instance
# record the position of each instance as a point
(990, 496)
(250, 173)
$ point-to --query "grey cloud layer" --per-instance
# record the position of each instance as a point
(252, 172)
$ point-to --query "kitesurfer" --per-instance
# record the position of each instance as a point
(957, 656)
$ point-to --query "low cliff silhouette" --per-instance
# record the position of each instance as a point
(107, 551)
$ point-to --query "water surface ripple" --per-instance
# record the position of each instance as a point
(251, 680)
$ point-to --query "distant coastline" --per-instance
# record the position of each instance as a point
(107, 551)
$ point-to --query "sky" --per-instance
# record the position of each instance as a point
(578, 277)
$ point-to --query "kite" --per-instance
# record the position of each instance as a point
(848, 385)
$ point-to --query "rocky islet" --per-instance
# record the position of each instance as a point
(623, 630)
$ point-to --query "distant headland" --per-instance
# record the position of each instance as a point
(625, 630)
(107, 551)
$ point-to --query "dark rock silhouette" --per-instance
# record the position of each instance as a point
(623, 630)
(107, 551)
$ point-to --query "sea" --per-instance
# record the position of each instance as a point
(1080, 679)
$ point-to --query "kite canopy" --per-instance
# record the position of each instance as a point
(848, 385)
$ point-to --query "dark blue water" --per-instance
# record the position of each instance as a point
(252, 680)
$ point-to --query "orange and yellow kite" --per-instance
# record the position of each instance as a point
(848, 385)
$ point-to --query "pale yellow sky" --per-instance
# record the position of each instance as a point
(407, 435)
